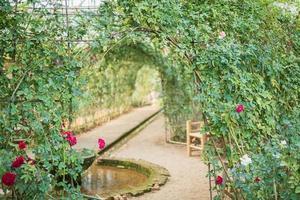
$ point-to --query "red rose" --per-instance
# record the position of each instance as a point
(18, 162)
(9, 178)
(70, 137)
(219, 180)
(67, 133)
(239, 108)
(257, 179)
(22, 145)
(101, 143)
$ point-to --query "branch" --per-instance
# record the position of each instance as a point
(16, 89)
(220, 159)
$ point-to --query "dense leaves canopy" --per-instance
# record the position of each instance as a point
(212, 56)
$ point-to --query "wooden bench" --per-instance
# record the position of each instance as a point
(193, 135)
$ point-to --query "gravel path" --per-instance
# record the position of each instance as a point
(188, 179)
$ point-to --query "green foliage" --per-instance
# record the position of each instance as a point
(115, 84)
(147, 84)
(37, 72)
(255, 64)
(107, 88)
(276, 166)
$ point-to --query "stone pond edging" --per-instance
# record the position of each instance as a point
(156, 175)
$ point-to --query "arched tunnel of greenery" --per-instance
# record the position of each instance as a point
(111, 83)
(112, 87)
(210, 55)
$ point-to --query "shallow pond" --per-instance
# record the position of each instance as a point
(105, 180)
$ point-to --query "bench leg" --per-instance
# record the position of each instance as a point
(188, 139)
(188, 143)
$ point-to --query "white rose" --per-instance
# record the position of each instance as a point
(283, 142)
(245, 160)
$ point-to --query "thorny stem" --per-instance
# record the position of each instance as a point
(275, 189)
(210, 186)
(235, 140)
(220, 159)
(224, 167)
(17, 87)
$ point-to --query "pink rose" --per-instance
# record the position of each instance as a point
(69, 136)
(222, 35)
(101, 143)
(239, 108)
(72, 140)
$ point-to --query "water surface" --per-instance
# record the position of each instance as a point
(105, 180)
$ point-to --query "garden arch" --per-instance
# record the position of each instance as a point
(176, 87)
(236, 52)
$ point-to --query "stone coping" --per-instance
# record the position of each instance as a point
(157, 176)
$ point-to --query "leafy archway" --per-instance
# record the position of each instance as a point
(130, 56)
(240, 57)
(219, 54)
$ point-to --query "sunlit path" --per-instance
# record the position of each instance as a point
(187, 179)
(115, 128)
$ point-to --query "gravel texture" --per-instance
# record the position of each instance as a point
(188, 179)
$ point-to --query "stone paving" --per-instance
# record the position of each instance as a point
(115, 128)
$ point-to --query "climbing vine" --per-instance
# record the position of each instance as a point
(240, 61)
(38, 68)
(233, 64)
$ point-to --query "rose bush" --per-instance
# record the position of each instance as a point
(274, 173)
(243, 58)
(218, 55)
(37, 79)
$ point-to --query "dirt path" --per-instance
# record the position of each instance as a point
(188, 179)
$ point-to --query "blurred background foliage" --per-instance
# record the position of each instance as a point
(113, 89)
(132, 75)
